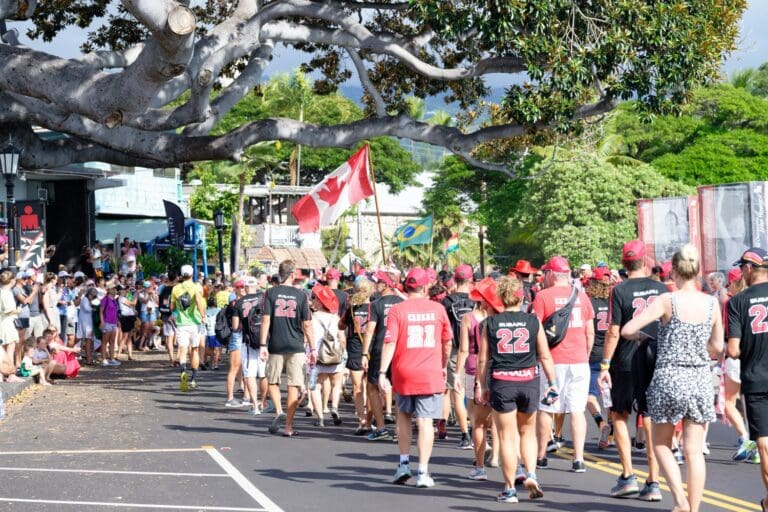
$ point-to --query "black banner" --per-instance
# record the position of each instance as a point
(175, 224)
(29, 219)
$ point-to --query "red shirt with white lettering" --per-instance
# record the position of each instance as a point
(573, 349)
(419, 328)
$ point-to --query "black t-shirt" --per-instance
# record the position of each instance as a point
(86, 267)
(748, 321)
(343, 299)
(379, 311)
(362, 312)
(628, 300)
(243, 307)
(164, 301)
(600, 307)
(457, 305)
(287, 308)
(512, 340)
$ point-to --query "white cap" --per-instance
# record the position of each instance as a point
(63, 273)
(79, 274)
(585, 267)
(186, 270)
(251, 281)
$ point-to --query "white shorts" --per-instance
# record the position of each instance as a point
(188, 335)
(169, 327)
(253, 366)
(732, 369)
(469, 386)
(573, 386)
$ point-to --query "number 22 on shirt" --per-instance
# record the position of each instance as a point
(285, 308)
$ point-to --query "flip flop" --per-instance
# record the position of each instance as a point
(292, 433)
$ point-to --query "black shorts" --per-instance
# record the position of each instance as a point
(355, 363)
(643, 366)
(622, 392)
(374, 366)
(508, 396)
(127, 323)
(757, 414)
(354, 354)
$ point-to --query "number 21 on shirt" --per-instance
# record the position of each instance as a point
(421, 336)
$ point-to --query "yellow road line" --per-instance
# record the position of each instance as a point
(713, 498)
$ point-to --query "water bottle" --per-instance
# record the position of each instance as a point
(2, 405)
(312, 377)
(605, 394)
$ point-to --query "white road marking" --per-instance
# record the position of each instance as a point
(110, 472)
(132, 505)
(127, 450)
(242, 481)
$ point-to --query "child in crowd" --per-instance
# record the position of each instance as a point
(212, 345)
(29, 369)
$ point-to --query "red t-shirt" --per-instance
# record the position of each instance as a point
(419, 328)
(573, 349)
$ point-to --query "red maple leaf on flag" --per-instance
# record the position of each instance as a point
(331, 190)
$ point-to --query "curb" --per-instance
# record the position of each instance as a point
(11, 389)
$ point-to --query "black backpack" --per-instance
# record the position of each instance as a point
(221, 328)
(456, 311)
(164, 301)
(556, 325)
(254, 323)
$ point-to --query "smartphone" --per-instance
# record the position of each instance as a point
(550, 398)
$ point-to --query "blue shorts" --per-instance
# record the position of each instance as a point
(212, 342)
(151, 317)
(235, 341)
(594, 373)
(421, 406)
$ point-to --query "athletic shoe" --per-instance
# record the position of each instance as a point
(650, 492)
(744, 450)
(184, 386)
(605, 433)
(193, 384)
(114, 362)
(319, 422)
(235, 402)
(276, 421)
(552, 446)
(216, 368)
(336, 417)
(308, 413)
(578, 466)
(465, 443)
(507, 496)
(361, 431)
(678, 456)
(246, 401)
(638, 447)
(105, 363)
(559, 442)
(705, 449)
(346, 395)
(534, 489)
(254, 411)
(753, 457)
(520, 475)
(625, 487)
(478, 474)
(542, 463)
(442, 432)
(270, 408)
(423, 480)
(402, 475)
(389, 419)
(451, 419)
(379, 435)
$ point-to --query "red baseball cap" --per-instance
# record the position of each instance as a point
(557, 264)
(431, 275)
(734, 275)
(326, 297)
(485, 290)
(666, 268)
(383, 277)
(600, 273)
(633, 250)
(240, 284)
(332, 273)
(417, 277)
(463, 271)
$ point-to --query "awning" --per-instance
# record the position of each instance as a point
(140, 230)
(304, 258)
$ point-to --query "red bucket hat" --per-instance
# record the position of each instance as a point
(485, 290)
(523, 267)
(326, 297)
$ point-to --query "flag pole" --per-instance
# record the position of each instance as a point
(376, 202)
(431, 242)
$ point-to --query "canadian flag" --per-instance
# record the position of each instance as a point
(341, 189)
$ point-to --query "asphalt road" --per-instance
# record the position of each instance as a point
(128, 439)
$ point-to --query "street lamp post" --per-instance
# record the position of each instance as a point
(348, 245)
(9, 165)
(218, 223)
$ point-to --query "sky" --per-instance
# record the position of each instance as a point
(752, 45)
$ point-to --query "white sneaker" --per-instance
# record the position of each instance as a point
(105, 362)
(254, 411)
(705, 448)
(114, 362)
(424, 480)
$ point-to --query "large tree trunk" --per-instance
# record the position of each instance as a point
(235, 259)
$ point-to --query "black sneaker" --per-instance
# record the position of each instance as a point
(389, 419)
(465, 443)
(542, 463)
(578, 466)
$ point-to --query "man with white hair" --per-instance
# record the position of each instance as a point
(188, 307)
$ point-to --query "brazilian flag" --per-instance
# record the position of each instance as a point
(416, 232)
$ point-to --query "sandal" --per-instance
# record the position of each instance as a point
(292, 433)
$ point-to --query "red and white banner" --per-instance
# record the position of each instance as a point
(344, 187)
